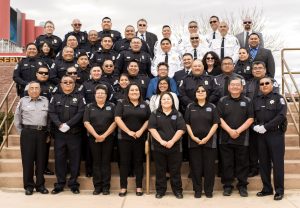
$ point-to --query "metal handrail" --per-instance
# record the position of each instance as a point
(285, 70)
(8, 110)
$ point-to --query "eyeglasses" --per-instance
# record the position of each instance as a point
(142, 25)
(77, 24)
(213, 21)
(100, 93)
(43, 73)
(72, 73)
(249, 23)
(67, 83)
(210, 58)
(194, 38)
(200, 91)
(193, 26)
(264, 83)
(108, 65)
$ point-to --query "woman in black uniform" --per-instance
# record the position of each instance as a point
(167, 126)
(202, 122)
(243, 66)
(132, 116)
(99, 121)
(46, 53)
(121, 88)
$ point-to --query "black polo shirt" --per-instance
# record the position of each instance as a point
(167, 126)
(201, 119)
(100, 118)
(133, 116)
(235, 111)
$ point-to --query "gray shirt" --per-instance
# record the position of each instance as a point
(31, 112)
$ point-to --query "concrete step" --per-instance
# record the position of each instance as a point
(15, 180)
(292, 153)
(291, 129)
(295, 115)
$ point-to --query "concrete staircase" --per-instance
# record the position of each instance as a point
(11, 167)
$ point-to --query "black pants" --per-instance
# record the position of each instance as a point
(86, 153)
(235, 160)
(67, 147)
(271, 150)
(33, 147)
(173, 161)
(131, 150)
(101, 152)
(202, 161)
(253, 151)
(47, 154)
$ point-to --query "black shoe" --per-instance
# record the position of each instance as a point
(253, 173)
(159, 196)
(28, 191)
(96, 191)
(178, 195)
(122, 194)
(139, 193)
(208, 195)
(263, 193)
(227, 191)
(243, 191)
(197, 194)
(56, 191)
(48, 172)
(42, 190)
(75, 190)
(105, 191)
(278, 197)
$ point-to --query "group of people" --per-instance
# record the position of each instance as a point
(201, 98)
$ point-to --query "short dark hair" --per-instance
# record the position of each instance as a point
(254, 33)
(29, 44)
(235, 78)
(259, 62)
(167, 39)
(101, 87)
(226, 58)
(166, 26)
(214, 17)
(193, 21)
(106, 18)
(142, 20)
(82, 54)
(162, 64)
(187, 54)
(48, 22)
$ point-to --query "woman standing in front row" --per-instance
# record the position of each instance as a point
(99, 121)
(132, 116)
(202, 122)
(167, 126)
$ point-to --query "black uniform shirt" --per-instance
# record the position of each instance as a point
(166, 126)
(99, 118)
(59, 69)
(235, 111)
(89, 90)
(114, 34)
(142, 81)
(98, 57)
(270, 111)
(133, 116)
(244, 68)
(54, 40)
(201, 119)
(67, 108)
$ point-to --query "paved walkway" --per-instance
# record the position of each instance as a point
(15, 198)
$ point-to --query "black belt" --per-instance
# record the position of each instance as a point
(35, 127)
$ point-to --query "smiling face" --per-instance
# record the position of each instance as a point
(34, 90)
(134, 93)
(201, 94)
(67, 84)
(96, 72)
(235, 87)
(163, 86)
(197, 67)
(31, 50)
(100, 96)
(266, 85)
(123, 81)
(133, 69)
(166, 102)
(243, 54)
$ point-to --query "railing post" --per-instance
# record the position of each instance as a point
(282, 72)
(6, 121)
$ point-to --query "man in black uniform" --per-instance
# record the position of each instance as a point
(25, 70)
(48, 37)
(58, 69)
(107, 31)
(82, 37)
(187, 60)
(93, 43)
(89, 86)
(66, 112)
(252, 90)
(83, 68)
(236, 114)
(108, 74)
(124, 44)
(270, 124)
(134, 53)
(105, 52)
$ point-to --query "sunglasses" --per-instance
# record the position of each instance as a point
(72, 73)
(142, 25)
(214, 21)
(249, 23)
(193, 26)
(77, 24)
(194, 38)
(264, 83)
(43, 73)
(210, 58)
(108, 65)
(67, 83)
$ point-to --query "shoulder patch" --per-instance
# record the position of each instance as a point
(282, 101)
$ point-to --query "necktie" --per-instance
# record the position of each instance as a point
(256, 90)
(246, 39)
(142, 35)
(187, 72)
(195, 54)
(226, 85)
(222, 48)
(67, 108)
(214, 35)
(166, 58)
